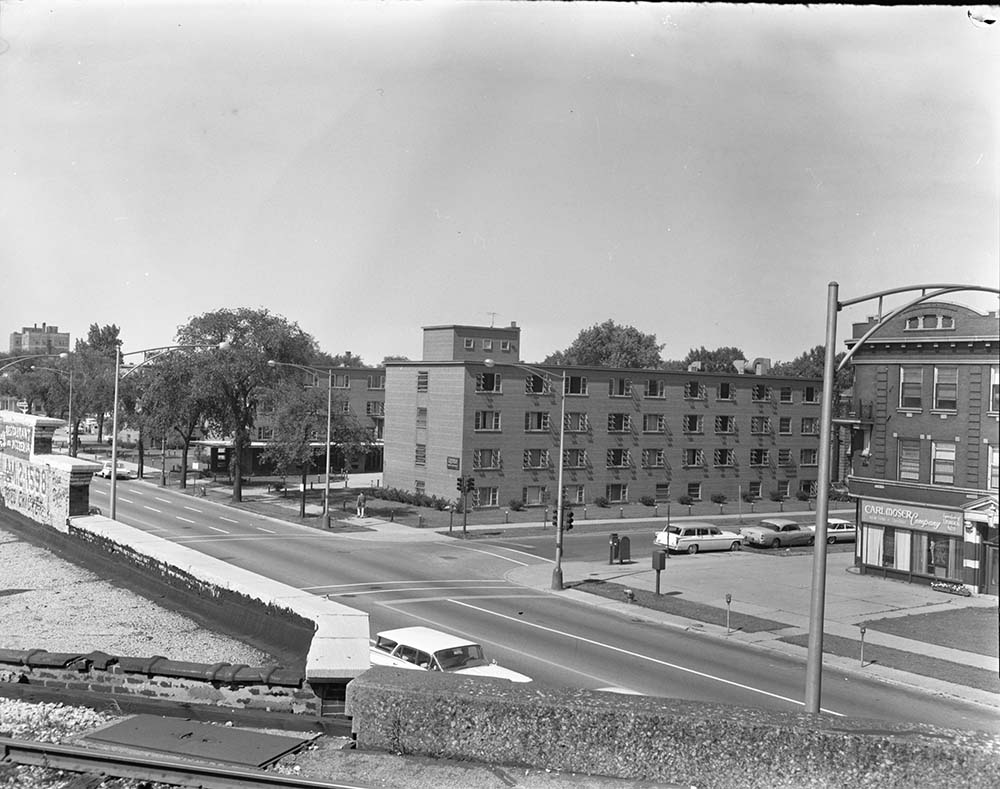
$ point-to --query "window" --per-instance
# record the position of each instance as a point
(724, 457)
(265, 433)
(422, 381)
(575, 494)
(785, 425)
(536, 384)
(760, 424)
(576, 385)
(693, 390)
(375, 408)
(485, 458)
(942, 463)
(808, 488)
(486, 497)
(536, 421)
(487, 345)
(994, 389)
(656, 388)
(536, 458)
(620, 387)
(488, 382)
(662, 492)
(376, 382)
(785, 457)
(694, 457)
(617, 493)
(937, 555)
(725, 391)
(785, 394)
(420, 455)
(694, 491)
(782, 488)
(505, 345)
(930, 322)
(810, 394)
(377, 431)
(421, 417)
(653, 458)
(692, 423)
(810, 426)
(725, 424)
(760, 393)
(909, 459)
(653, 423)
(487, 420)
(808, 457)
(419, 485)
(576, 422)
(946, 388)
(911, 381)
(619, 423)
(469, 343)
(753, 490)
(618, 458)
(534, 494)
(575, 458)
(345, 407)
(342, 381)
(758, 457)
(993, 472)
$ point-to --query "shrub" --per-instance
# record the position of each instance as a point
(517, 505)
(803, 495)
(749, 498)
(687, 501)
(648, 501)
(718, 498)
(600, 501)
(776, 496)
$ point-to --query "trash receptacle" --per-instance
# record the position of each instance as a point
(624, 550)
(613, 548)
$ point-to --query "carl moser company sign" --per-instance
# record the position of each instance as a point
(910, 517)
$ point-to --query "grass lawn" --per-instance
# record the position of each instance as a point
(969, 629)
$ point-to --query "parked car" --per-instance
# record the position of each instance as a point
(694, 537)
(839, 530)
(425, 649)
(122, 473)
(777, 533)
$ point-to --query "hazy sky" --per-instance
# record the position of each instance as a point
(700, 172)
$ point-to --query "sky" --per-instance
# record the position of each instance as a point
(700, 172)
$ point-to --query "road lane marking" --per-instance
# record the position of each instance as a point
(183, 519)
(165, 501)
(127, 501)
(147, 507)
(413, 589)
(215, 528)
(227, 520)
(622, 651)
(496, 555)
(269, 531)
(411, 581)
(193, 509)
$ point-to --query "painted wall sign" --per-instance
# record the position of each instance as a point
(16, 439)
(453, 463)
(911, 517)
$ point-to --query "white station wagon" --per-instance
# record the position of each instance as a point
(693, 537)
(425, 649)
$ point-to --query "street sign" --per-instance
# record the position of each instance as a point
(23, 406)
(453, 463)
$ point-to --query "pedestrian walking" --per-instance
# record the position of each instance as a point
(361, 504)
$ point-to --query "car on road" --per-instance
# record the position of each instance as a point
(778, 533)
(122, 473)
(694, 537)
(426, 649)
(839, 530)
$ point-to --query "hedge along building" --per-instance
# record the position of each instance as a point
(471, 408)
(924, 460)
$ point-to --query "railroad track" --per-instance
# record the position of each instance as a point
(74, 759)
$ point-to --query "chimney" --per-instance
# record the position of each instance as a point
(761, 366)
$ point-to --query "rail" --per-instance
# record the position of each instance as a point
(207, 776)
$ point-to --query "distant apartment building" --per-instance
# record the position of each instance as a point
(924, 457)
(473, 409)
(35, 339)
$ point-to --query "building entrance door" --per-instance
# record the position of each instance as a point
(992, 569)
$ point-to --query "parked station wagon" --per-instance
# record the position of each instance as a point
(694, 537)
(425, 649)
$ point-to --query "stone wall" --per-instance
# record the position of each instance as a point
(655, 739)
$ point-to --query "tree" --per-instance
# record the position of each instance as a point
(387, 359)
(718, 361)
(610, 345)
(94, 374)
(239, 375)
(809, 364)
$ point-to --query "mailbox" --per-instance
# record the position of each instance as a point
(659, 560)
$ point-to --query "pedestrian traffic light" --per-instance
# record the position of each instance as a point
(470, 484)
(568, 520)
(460, 484)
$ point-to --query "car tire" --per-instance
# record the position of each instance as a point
(775, 543)
(736, 546)
(831, 540)
(693, 548)
(812, 541)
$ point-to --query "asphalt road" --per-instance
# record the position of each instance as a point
(460, 586)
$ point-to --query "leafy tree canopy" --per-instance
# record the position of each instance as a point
(101, 339)
(809, 364)
(345, 359)
(387, 359)
(610, 345)
(718, 361)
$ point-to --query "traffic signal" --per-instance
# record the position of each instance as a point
(555, 518)
(470, 484)
(460, 484)
(568, 520)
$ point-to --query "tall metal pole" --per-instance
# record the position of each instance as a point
(114, 438)
(557, 573)
(72, 432)
(329, 420)
(814, 659)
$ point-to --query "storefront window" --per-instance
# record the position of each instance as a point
(936, 555)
